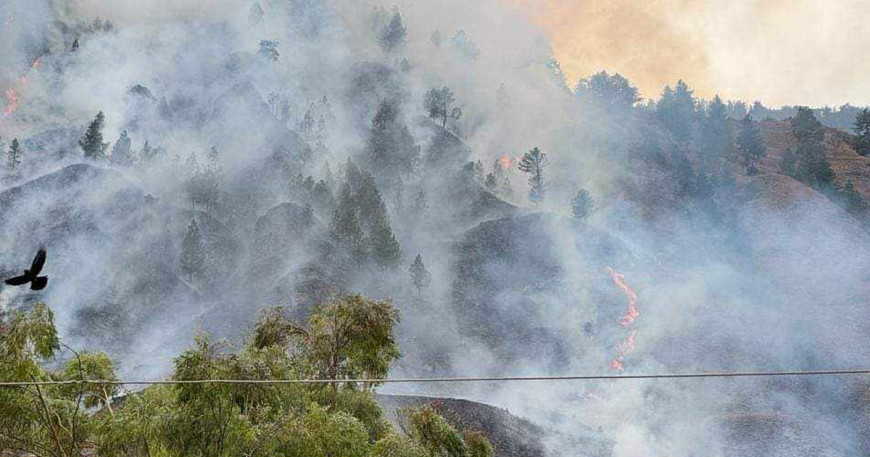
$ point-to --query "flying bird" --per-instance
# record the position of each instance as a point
(32, 275)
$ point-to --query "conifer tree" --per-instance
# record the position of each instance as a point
(534, 162)
(192, 260)
(807, 162)
(750, 144)
(345, 226)
(420, 276)
(393, 35)
(491, 183)
(676, 110)
(862, 130)
(438, 103)
(92, 142)
(715, 137)
(14, 154)
(582, 204)
(383, 245)
(853, 200)
(122, 152)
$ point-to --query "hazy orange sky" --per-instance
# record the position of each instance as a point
(811, 52)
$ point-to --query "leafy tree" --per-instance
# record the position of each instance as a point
(862, 129)
(122, 152)
(750, 144)
(393, 34)
(192, 260)
(534, 162)
(715, 137)
(96, 366)
(582, 204)
(269, 50)
(14, 154)
(420, 276)
(607, 94)
(92, 142)
(807, 162)
(676, 110)
(439, 105)
(431, 431)
(36, 420)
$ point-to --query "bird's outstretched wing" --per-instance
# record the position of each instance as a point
(38, 262)
(18, 280)
(39, 283)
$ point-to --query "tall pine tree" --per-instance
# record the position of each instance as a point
(420, 276)
(750, 144)
(92, 142)
(122, 152)
(862, 130)
(192, 260)
(534, 162)
(14, 154)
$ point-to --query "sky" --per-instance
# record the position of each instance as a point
(782, 52)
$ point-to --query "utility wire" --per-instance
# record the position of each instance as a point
(738, 374)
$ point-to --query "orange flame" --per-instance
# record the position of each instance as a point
(627, 345)
(632, 313)
(11, 102)
(505, 161)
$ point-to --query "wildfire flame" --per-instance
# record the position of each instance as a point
(627, 345)
(13, 96)
(505, 162)
(11, 102)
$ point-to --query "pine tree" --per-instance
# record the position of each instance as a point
(582, 204)
(715, 137)
(122, 152)
(534, 162)
(421, 204)
(862, 129)
(676, 110)
(810, 165)
(345, 227)
(269, 50)
(383, 245)
(393, 35)
(420, 277)
(14, 154)
(606, 94)
(192, 260)
(92, 143)
(322, 197)
(750, 144)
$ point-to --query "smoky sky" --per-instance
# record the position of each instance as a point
(805, 52)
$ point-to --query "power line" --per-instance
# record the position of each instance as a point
(738, 374)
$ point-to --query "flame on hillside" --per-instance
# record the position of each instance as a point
(627, 345)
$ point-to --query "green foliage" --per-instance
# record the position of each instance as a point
(676, 110)
(716, 146)
(478, 445)
(534, 162)
(750, 144)
(807, 162)
(96, 366)
(606, 94)
(92, 142)
(433, 432)
(853, 200)
(192, 260)
(394, 445)
(862, 130)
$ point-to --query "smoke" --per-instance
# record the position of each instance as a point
(782, 53)
(516, 289)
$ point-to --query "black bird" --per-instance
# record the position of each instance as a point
(32, 275)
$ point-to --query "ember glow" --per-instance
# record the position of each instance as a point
(627, 345)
